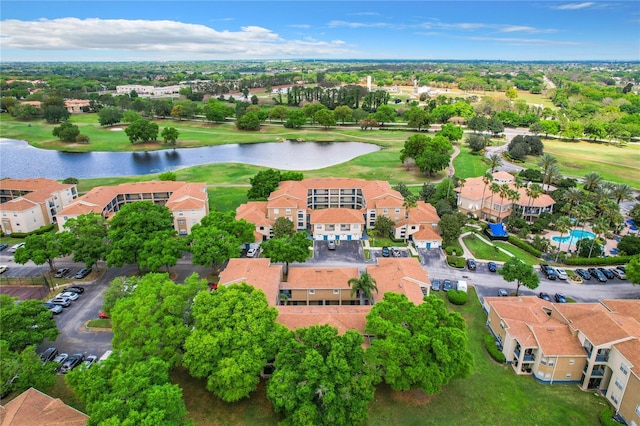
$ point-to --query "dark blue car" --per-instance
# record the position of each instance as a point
(492, 267)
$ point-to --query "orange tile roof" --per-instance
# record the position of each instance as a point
(426, 233)
(502, 175)
(342, 317)
(259, 273)
(601, 328)
(39, 189)
(254, 212)
(474, 188)
(628, 307)
(631, 351)
(422, 213)
(337, 216)
(34, 408)
(520, 313)
(17, 205)
(399, 275)
(555, 338)
(319, 278)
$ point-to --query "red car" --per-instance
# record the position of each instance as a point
(102, 315)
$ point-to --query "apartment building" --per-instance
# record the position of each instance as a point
(475, 198)
(593, 345)
(309, 295)
(188, 202)
(29, 204)
(340, 209)
(150, 90)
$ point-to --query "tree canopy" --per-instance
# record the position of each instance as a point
(234, 336)
(523, 274)
(266, 181)
(142, 131)
(25, 323)
(321, 378)
(44, 248)
(89, 243)
(417, 346)
(24, 369)
(287, 249)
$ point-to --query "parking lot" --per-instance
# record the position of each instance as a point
(345, 251)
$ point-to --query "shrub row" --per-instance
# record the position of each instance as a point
(450, 250)
(455, 261)
(38, 231)
(457, 297)
(588, 261)
(490, 344)
(524, 246)
(606, 417)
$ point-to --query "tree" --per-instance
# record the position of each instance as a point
(123, 390)
(321, 378)
(55, 113)
(403, 189)
(22, 370)
(283, 227)
(170, 135)
(495, 161)
(218, 237)
(109, 116)
(385, 114)
(495, 126)
(630, 245)
(622, 192)
(279, 112)
(89, 232)
(310, 110)
(142, 131)
(215, 110)
(477, 123)
(523, 274)
(417, 118)
(44, 248)
(249, 121)
(436, 155)
(364, 286)
(591, 181)
(295, 119)
(451, 132)
(511, 93)
(417, 346)
(168, 176)
(451, 226)
(427, 192)
(131, 227)
(551, 127)
(414, 147)
(476, 142)
(633, 270)
(325, 118)
(343, 114)
(129, 116)
(66, 132)
(536, 128)
(234, 336)
(573, 130)
(155, 320)
(287, 249)
(383, 226)
(162, 248)
(263, 184)
(562, 225)
(25, 323)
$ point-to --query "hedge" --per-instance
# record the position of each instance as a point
(456, 261)
(42, 230)
(586, 261)
(606, 417)
(457, 297)
(490, 344)
(524, 246)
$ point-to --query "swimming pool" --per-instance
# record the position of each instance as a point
(575, 235)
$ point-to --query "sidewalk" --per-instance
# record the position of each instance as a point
(466, 251)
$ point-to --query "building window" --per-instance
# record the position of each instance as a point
(312, 291)
(619, 384)
(397, 209)
(543, 361)
(501, 324)
(385, 211)
(567, 376)
(552, 361)
(336, 291)
(318, 226)
(614, 398)
(638, 409)
(571, 362)
(181, 222)
(288, 211)
(624, 369)
(276, 211)
(300, 224)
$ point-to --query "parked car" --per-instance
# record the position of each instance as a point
(386, 252)
(331, 245)
(62, 272)
(549, 272)
(82, 273)
(492, 266)
(607, 273)
(560, 298)
(89, 361)
(447, 285)
(75, 289)
(72, 362)
(595, 273)
(618, 273)
(435, 285)
(3, 246)
(60, 358)
(62, 301)
(503, 293)
(49, 354)
(562, 274)
(583, 273)
(252, 252)
(622, 268)
(471, 264)
(544, 296)
(395, 252)
(54, 309)
(71, 295)
(3, 268)
(15, 248)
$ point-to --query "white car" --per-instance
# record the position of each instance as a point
(3, 268)
(71, 295)
(562, 274)
(252, 252)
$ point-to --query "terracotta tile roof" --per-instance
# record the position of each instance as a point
(319, 278)
(502, 175)
(81, 207)
(259, 273)
(521, 331)
(19, 204)
(631, 351)
(601, 328)
(474, 188)
(555, 338)
(628, 307)
(254, 212)
(399, 275)
(39, 189)
(426, 233)
(575, 311)
(523, 308)
(544, 200)
(34, 408)
(423, 213)
(342, 317)
(336, 216)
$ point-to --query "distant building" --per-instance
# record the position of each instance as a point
(76, 105)
(188, 202)
(150, 90)
(29, 204)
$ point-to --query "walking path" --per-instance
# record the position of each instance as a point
(466, 251)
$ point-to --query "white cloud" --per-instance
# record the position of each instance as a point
(524, 29)
(304, 26)
(166, 38)
(574, 6)
(528, 41)
(336, 24)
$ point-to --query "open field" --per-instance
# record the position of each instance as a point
(482, 250)
(615, 164)
(469, 165)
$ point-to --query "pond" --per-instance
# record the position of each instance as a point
(19, 160)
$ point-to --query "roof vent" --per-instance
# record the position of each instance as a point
(551, 329)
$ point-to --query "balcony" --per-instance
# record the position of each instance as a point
(602, 358)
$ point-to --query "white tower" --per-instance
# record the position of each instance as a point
(369, 83)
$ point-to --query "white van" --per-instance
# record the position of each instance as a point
(13, 249)
(461, 286)
(105, 355)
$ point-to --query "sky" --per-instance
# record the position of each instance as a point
(235, 30)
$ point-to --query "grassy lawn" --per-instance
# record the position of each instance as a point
(615, 164)
(519, 253)
(482, 250)
(469, 165)
(99, 323)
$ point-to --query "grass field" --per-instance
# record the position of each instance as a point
(469, 165)
(613, 163)
(482, 250)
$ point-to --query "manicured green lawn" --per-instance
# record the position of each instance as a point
(482, 250)
(518, 252)
(469, 165)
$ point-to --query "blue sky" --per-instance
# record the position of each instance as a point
(205, 30)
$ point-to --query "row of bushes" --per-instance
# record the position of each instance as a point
(452, 250)
(524, 246)
(38, 231)
(457, 297)
(456, 261)
(589, 261)
(490, 344)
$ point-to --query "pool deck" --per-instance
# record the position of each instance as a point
(609, 243)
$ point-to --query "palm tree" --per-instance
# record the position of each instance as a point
(599, 226)
(563, 224)
(495, 160)
(486, 179)
(494, 188)
(550, 174)
(514, 196)
(534, 191)
(573, 196)
(591, 181)
(583, 212)
(622, 192)
(363, 286)
(546, 161)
